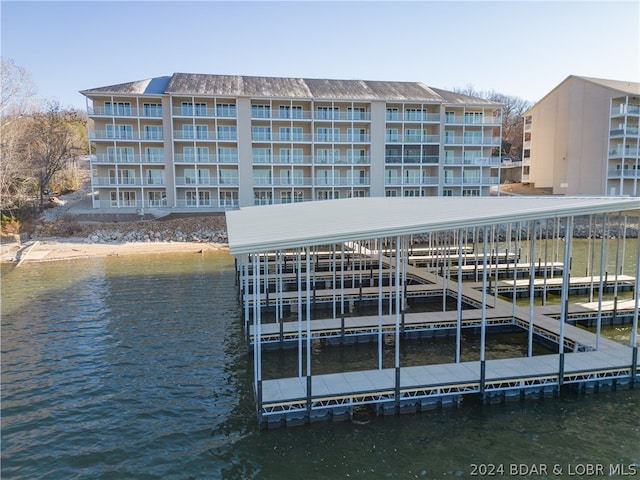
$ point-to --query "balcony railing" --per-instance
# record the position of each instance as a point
(427, 159)
(280, 137)
(281, 114)
(463, 120)
(192, 181)
(475, 161)
(624, 152)
(629, 131)
(412, 138)
(343, 138)
(107, 158)
(204, 111)
(399, 181)
(207, 203)
(117, 111)
(459, 140)
(204, 135)
(340, 115)
(128, 182)
(625, 110)
(623, 173)
(413, 117)
(125, 135)
(204, 158)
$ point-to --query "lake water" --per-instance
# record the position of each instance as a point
(136, 367)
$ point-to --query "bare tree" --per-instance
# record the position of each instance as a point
(16, 103)
(512, 117)
(50, 143)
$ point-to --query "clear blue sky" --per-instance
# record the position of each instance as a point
(513, 47)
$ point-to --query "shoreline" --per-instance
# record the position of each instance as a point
(50, 249)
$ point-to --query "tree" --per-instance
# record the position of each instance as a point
(51, 141)
(16, 103)
(512, 117)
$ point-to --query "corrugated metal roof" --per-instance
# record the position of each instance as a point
(274, 227)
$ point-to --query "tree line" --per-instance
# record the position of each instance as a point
(40, 143)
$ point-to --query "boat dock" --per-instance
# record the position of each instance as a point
(419, 291)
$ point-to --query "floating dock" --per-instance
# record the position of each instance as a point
(364, 256)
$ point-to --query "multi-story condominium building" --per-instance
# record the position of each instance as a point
(215, 142)
(582, 138)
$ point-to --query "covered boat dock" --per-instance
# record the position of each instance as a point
(388, 253)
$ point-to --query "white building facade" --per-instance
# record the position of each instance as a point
(215, 142)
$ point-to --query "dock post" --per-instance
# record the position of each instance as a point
(483, 373)
(342, 326)
(561, 372)
(309, 398)
(402, 321)
(397, 389)
(634, 365)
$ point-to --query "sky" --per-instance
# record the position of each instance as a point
(518, 48)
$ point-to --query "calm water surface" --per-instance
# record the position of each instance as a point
(136, 368)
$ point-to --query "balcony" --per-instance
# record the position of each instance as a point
(276, 114)
(623, 173)
(125, 135)
(628, 131)
(204, 135)
(202, 111)
(206, 158)
(624, 152)
(624, 109)
(343, 138)
(413, 159)
(473, 120)
(192, 181)
(354, 116)
(281, 137)
(412, 181)
(342, 160)
(108, 158)
(119, 111)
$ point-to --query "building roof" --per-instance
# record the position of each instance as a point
(275, 227)
(632, 88)
(282, 87)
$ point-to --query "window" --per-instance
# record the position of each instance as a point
(392, 115)
(120, 154)
(391, 193)
(291, 155)
(261, 134)
(261, 111)
(324, 177)
(190, 176)
(285, 134)
(473, 137)
(412, 193)
(447, 192)
(327, 134)
(261, 155)
(227, 154)
(122, 176)
(471, 175)
(286, 111)
(413, 135)
(227, 132)
(391, 176)
(202, 132)
(120, 131)
(327, 195)
(327, 113)
(414, 115)
(186, 109)
(228, 199)
(192, 199)
(356, 113)
(356, 135)
(228, 176)
(262, 198)
(470, 192)
(156, 199)
(198, 154)
(153, 132)
(154, 177)
(117, 108)
(123, 199)
(356, 156)
(392, 135)
(473, 117)
(225, 110)
(324, 155)
(412, 177)
(154, 154)
(200, 109)
(188, 131)
(261, 176)
(357, 194)
(449, 136)
(152, 109)
(449, 117)
(204, 198)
